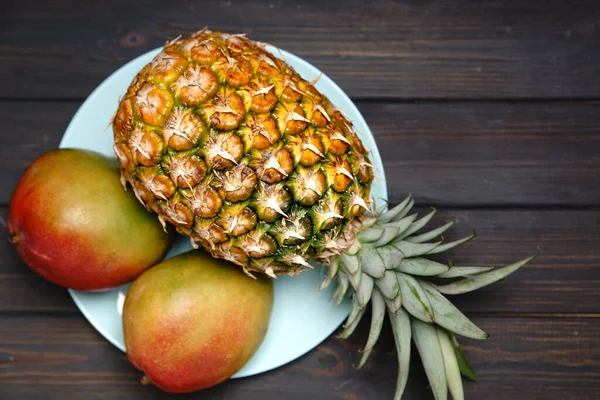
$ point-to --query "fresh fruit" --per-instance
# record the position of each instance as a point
(231, 146)
(193, 321)
(236, 150)
(72, 223)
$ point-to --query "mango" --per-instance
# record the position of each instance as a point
(192, 321)
(73, 223)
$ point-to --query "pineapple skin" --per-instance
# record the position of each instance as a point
(233, 148)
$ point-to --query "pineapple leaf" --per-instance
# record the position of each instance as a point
(331, 272)
(428, 345)
(451, 364)
(391, 256)
(459, 272)
(371, 262)
(370, 235)
(405, 211)
(424, 237)
(341, 288)
(472, 283)
(414, 249)
(388, 268)
(418, 225)
(394, 212)
(377, 317)
(402, 335)
(401, 225)
(463, 364)
(389, 234)
(355, 310)
(421, 267)
(450, 245)
(349, 327)
(450, 317)
(354, 248)
(395, 304)
(350, 263)
(388, 285)
(414, 298)
(354, 279)
(369, 222)
(365, 290)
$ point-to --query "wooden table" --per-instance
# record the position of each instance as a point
(487, 109)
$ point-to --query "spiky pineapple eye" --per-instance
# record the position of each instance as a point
(239, 72)
(308, 185)
(364, 169)
(236, 222)
(231, 253)
(167, 66)
(338, 143)
(205, 201)
(258, 245)
(290, 92)
(187, 45)
(265, 134)
(320, 117)
(295, 120)
(263, 99)
(356, 202)
(142, 193)
(272, 202)
(160, 185)
(295, 229)
(266, 66)
(236, 42)
(238, 183)
(312, 150)
(147, 147)
(209, 233)
(341, 172)
(179, 214)
(123, 121)
(195, 86)
(223, 151)
(153, 104)
(186, 170)
(123, 154)
(328, 212)
(227, 111)
(206, 52)
(276, 166)
(183, 129)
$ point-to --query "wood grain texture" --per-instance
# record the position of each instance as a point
(28, 137)
(564, 279)
(521, 167)
(451, 154)
(392, 49)
(470, 154)
(527, 358)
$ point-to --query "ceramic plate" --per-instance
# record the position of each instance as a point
(302, 316)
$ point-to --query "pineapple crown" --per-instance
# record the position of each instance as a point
(386, 267)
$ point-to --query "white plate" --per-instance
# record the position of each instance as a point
(302, 316)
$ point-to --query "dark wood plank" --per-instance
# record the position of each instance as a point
(27, 136)
(503, 154)
(527, 358)
(564, 279)
(458, 154)
(392, 49)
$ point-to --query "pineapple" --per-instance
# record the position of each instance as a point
(228, 144)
